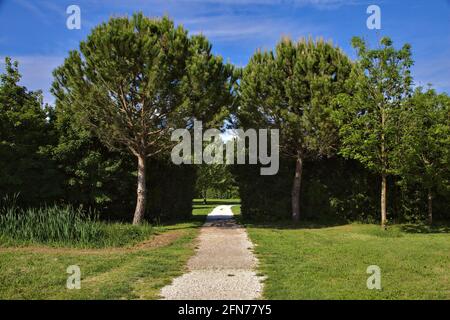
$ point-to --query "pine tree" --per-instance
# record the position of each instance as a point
(135, 79)
(292, 89)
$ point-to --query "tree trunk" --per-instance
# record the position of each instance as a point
(204, 197)
(295, 195)
(141, 191)
(383, 174)
(430, 207)
(383, 200)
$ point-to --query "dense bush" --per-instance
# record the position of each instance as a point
(26, 138)
(171, 190)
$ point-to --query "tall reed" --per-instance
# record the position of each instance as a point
(49, 224)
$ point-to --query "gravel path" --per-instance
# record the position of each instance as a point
(223, 266)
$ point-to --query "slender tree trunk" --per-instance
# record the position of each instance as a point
(383, 174)
(383, 200)
(295, 195)
(141, 191)
(430, 207)
(204, 197)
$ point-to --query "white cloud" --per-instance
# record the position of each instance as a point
(36, 72)
(260, 29)
(35, 10)
(434, 70)
(320, 4)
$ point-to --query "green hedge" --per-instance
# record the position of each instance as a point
(332, 189)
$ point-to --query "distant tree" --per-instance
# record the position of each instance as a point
(215, 177)
(291, 89)
(369, 116)
(22, 113)
(423, 154)
(135, 79)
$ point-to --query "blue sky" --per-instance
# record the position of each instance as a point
(34, 32)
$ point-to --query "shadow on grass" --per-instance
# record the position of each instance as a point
(419, 228)
(206, 206)
(200, 203)
(198, 218)
(192, 222)
(289, 224)
(423, 228)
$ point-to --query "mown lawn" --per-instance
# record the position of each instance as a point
(316, 262)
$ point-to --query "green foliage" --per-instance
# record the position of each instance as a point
(215, 181)
(93, 175)
(135, 79)
(291, 89)
(368, 116)
(423, 154)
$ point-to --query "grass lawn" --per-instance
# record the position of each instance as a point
(131, 263)
(331, 262)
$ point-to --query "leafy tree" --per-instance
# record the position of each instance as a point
(291, 89)
(25, 139)
(369, 116)
(423, 155)
(215, 177)
(135, 79)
